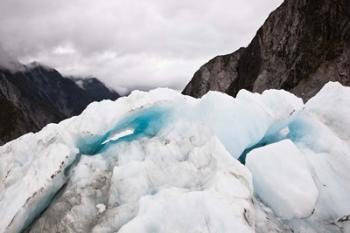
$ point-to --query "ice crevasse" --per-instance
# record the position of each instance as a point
(159, 161)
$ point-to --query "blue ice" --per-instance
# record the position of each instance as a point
(143, 123)
(297, 127)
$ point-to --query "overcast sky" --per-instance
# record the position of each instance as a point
(129, 43)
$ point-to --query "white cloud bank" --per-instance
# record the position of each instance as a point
(129, 43)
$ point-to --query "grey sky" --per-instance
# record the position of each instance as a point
(129, 43)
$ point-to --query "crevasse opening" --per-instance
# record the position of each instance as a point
(294, 128)
(146, 122)
(279, 131)
(142, 123)
(280, 135)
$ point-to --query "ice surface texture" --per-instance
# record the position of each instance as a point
(159, 161)
(142, 123)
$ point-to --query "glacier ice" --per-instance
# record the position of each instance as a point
(159, 161)
(283, 180)
(142, 123)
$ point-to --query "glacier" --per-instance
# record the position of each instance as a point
(159, 161)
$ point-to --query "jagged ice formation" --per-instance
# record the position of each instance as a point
(159, 161)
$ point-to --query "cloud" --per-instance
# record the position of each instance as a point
(129, 43)
(8, 62)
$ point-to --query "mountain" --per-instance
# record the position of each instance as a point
(159, 161)
(33, 96)
(302, 45)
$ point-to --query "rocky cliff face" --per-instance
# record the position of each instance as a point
(302, 45)
(35, 95)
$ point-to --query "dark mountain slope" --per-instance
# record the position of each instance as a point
(302, 45)
(37, 95)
